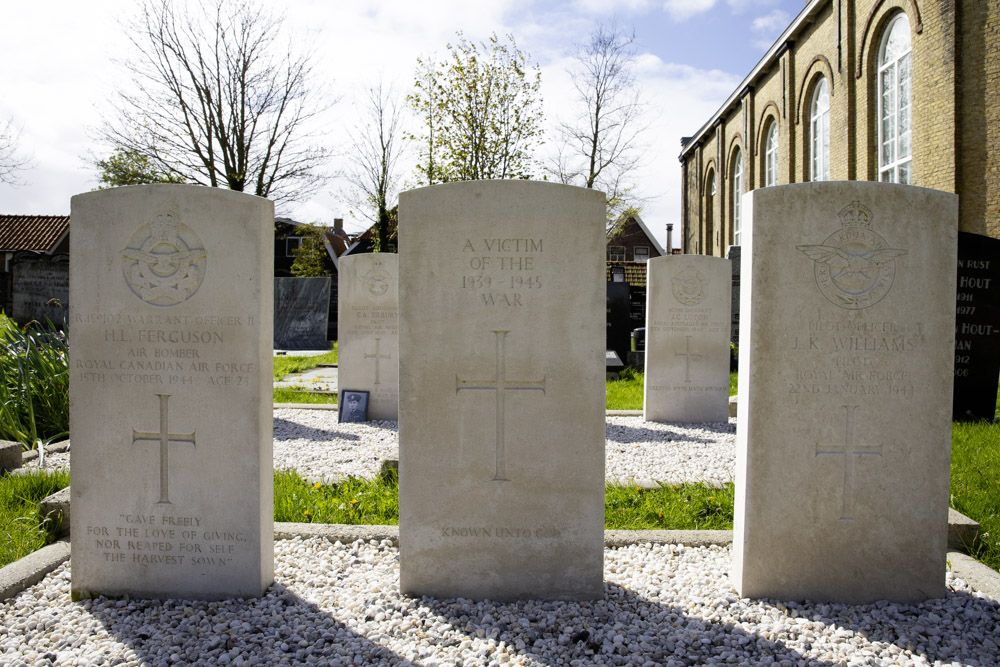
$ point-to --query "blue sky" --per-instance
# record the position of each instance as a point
(58, 73)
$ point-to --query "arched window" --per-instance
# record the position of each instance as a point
(737, 193)
(709, 214)
(771, 155)
(819, 132)
(895, 163)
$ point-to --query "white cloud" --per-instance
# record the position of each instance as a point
(772, 23)
(681, 10)
(610, 7)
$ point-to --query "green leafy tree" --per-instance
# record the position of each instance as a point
(311, 254)
(481, 109)
(131, 168)
(217, 99)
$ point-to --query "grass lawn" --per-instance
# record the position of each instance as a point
(22, 530)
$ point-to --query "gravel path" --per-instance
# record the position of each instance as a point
(335, 604)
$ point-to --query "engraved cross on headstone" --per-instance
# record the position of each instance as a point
(164, 437)
(500, 385)
(687, 354)
(376, 357)
(849, 450)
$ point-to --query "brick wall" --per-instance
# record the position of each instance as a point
(956, 119)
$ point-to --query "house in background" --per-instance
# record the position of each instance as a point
(38, 237)
(629, 240)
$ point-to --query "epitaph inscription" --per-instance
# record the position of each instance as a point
(846, 339)
(501, 376)
(170, 385)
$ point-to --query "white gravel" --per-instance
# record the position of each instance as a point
(335, 604)
(314, 444)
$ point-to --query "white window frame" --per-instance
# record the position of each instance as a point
(897, 166)
(737, 194)
(771, 155)
(819, 132)
(644, 254)
(616, 253)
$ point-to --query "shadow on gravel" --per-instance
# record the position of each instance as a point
(662, 433)
(216, 633)
(294, 431)
(972, 623)
(670, 635)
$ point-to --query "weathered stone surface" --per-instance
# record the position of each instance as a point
(171, 393)
(502, 390)
(10, 455)
(687, 339)
(846, 357)
(368, 324)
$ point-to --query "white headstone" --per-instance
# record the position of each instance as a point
(368, 330)
(171, 393)
(501, 430)
(687, 339)
(845, 376)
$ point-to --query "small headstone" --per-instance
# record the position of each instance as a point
(368, 322)
(301, 313)
(501, 424)
(10, 455)
(613, 365)
(846, 350)
(171, 388)
(35, 285)
(687, 346)
(977, 328)
(619, 319)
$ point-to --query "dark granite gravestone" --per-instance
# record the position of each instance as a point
(619, 319)
(977, 328)
(733, 255)
(301, 311)
(35, 284)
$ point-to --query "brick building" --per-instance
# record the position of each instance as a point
(891, 90)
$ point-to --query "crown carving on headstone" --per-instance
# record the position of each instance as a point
(856, 214)
(164, 225)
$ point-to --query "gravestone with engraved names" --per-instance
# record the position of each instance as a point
(301, 313)
(687, 339)
(40, 291)
(501, 429)
(368, 320)
(170, 381)
(977, 328)
(846, 348)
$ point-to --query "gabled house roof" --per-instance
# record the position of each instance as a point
(41, 233)
(645, 230)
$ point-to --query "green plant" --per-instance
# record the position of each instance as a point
(625, 393)
(975, 484)
(287, 395)
(22, 529)
(351, 501)
(34, 383)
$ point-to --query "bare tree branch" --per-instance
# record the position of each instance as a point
(11, 159)
(214, 102)
(600, 149)
(377, 144)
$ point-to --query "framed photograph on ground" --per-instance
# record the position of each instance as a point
(352, 406)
